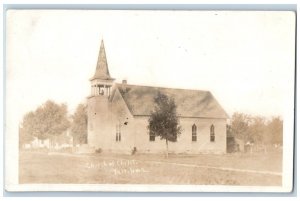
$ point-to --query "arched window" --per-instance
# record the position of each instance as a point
(212, 133)
(194, 133)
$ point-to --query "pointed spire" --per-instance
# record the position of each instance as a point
(102, 71)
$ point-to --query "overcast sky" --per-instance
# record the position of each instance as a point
(246, 59)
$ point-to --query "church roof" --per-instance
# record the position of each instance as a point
(190, 103)
(102, 71)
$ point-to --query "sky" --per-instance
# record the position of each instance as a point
(246, 59)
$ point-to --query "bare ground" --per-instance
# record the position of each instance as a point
(206, 169)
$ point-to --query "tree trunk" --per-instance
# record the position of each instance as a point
(50, 143)
(167, 154)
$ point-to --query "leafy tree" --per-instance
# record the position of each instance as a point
(79, 125)
(47, 121)
(275, 129)
(228, 130)
(257, 130)
(53, 117)
(163, 121)
(240, 125)
(31, 126)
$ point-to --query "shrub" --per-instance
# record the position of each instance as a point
(98, 151)
(133, 151)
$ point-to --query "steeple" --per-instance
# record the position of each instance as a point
(101, 82)
(102, 71)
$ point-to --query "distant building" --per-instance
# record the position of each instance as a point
(118, 116)
(62, 141)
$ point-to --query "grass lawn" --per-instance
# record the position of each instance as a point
(149, 169)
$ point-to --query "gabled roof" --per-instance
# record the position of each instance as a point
(102, 71)
(190, 103)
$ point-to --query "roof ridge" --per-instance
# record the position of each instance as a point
(135, 85)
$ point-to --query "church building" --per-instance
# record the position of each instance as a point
(118, 116)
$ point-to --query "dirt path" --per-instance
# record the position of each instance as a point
(217, 168)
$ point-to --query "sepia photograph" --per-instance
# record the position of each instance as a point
(136, 100)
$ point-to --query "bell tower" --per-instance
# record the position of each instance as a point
(99, 107)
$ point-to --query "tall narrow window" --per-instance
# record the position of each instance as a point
(212, 133)
(194, 133)
(118, 133)
(152, 136)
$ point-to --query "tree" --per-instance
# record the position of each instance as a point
(163, 121)
(240, 126)
(31, 126)
(275, 129)
(79, 125)
(53, 119)
(257, 130)
(24, 137)
(47, 121)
